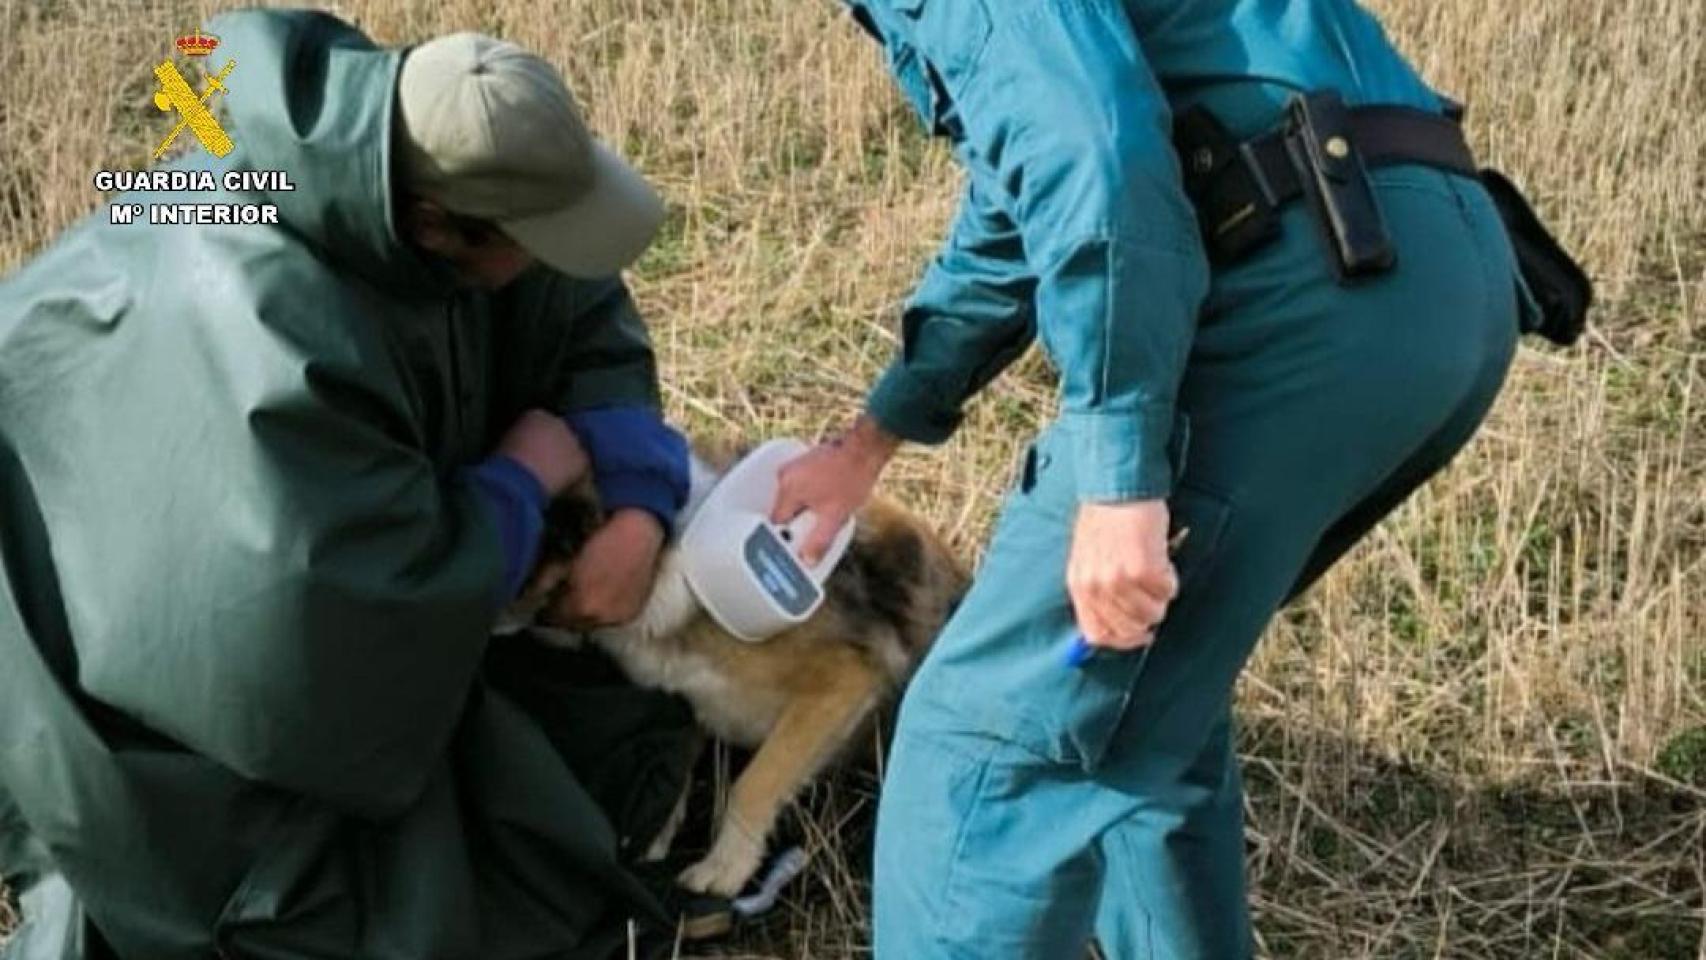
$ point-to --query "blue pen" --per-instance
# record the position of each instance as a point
(1080, 652)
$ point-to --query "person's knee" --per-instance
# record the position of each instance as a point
(985, 851)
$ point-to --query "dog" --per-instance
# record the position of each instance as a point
(799, 698)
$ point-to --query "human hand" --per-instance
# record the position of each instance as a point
(832, 480)
(610, 579)
(1118, 573)
(545, 445)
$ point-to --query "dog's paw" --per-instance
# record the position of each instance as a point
(730, 864)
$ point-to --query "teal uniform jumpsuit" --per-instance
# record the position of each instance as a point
(1030, 806)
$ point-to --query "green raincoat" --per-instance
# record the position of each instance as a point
(247, 706)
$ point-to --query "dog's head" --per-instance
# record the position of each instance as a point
(570, 522)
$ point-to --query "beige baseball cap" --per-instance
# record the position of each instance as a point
(489, 130)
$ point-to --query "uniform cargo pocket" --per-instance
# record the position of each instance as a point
(1002, 661)
(1093, 698)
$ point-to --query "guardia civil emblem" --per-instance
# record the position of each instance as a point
(175, 96)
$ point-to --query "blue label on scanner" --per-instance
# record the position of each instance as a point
(779, 572)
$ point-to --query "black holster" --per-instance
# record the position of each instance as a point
(1328, 160)
(1237, 209)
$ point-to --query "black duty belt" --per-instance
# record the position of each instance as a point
(1385, 135)
(1321, 151)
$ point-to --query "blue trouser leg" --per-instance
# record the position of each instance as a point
(1183, 864)
(1028, 806)
(966, 873)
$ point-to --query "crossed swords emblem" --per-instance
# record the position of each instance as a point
(175, 94)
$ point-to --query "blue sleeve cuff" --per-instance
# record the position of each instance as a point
(518, 502)
(645, 491)
(638, 460)
(1128, 455)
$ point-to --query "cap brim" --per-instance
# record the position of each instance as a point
(601, 233)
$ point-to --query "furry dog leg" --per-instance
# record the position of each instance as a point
(812, 728)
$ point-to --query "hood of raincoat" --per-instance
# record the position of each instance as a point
(233, 443)
(312, 97)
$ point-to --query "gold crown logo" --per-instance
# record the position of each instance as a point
(197, 44)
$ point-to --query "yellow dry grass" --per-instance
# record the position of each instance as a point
(1484, 735)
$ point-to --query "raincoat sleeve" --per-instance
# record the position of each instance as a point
(589, 353)
(1064, 129)
(322, 627)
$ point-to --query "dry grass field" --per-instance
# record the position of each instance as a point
(1483, 736)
